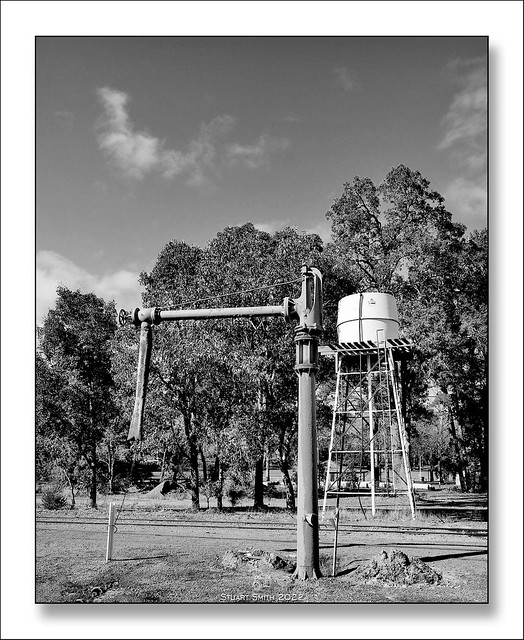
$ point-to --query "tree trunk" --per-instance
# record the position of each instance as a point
(461, 466)
(204, 465)
(93, 487)
(484, 458)
(259, 464)
(163, 465)
(290, 492)
(259, 484)
(71, 483)
(219, 470)
(193, 462)
(195, 481)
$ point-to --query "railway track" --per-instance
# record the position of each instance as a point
(266, 526)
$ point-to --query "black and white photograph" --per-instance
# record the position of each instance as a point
(262, 298)
(263, 280)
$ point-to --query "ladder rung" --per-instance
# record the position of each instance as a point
(366, 451)
(366, 412)
(348, 451)
(349, 492)
(369, 392)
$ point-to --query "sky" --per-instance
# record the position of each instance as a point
(141, 140)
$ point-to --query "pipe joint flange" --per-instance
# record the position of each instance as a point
(134, 317)
(155, 316)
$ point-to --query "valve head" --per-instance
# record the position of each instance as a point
(124, 317)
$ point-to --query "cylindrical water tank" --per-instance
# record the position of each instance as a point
(361, 315)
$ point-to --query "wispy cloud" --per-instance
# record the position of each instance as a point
(464, 138)
(292, 119)
(258, 154)
(135, 153)
(138, 154)
(272, 226)
(468, 197)
(53, 269)
(465, 124)
(322, 229)
(345, 79)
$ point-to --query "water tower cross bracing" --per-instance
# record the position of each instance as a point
(368, 451)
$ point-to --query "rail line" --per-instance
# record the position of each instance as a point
(267, 526)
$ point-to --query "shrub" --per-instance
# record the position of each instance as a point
(53, 499)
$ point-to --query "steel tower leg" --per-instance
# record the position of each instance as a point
(403, 436)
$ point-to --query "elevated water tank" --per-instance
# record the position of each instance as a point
(362, 314)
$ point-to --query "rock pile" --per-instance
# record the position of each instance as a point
(256, 558)
(397, 569)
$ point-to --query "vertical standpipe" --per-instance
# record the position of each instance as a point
(308, 310)
(307, 499)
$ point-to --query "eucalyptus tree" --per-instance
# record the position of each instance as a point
(249, 261)
(234, 268)
(178, 362)
(399, 237)
(75, 370)
(53, 449)
(378, 232)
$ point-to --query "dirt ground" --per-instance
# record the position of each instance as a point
(164, 553)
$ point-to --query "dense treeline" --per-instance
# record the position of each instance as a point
(222, 393)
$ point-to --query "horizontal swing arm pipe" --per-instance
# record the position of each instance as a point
(155, 315)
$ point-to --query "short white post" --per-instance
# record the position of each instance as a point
(110, 531)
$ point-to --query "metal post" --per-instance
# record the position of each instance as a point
(403, 440)
(307, 499)
(335, 543)
(110, 532)
(371, 437)
(338, 366)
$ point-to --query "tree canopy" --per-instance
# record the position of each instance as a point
(398, 237)
(222, 393)
(74, 376)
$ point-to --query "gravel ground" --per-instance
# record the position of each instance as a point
(165, 555)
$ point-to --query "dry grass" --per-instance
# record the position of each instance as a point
(184, 563)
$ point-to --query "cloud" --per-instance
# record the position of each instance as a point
(53, 269)
(465, 124)
(138, 154)
(322, 229)
(293, 119)
(464, 138)
(258, 154)
(135, 153)
(468, 197)
(271, 226)
(201, 159)
(345, 79)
